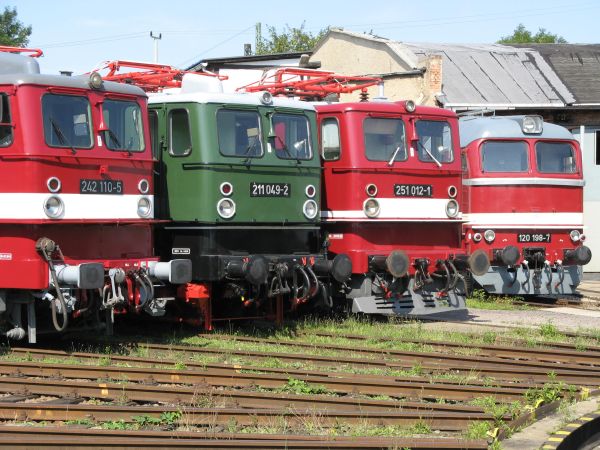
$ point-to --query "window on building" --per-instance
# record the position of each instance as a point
(597, 147)
(180, 138)
(330, 139)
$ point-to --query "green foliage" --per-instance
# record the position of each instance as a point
(12, 31)
(170, 417)
(180, 365)
(547, 393)
(478, 430)
(117, 425)
(290, 39)
(550, 331)
(145, 421)
(522, 35)
(482, 300)
(295, 386)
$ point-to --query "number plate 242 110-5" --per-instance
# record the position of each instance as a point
(270, 189)
(413, 190)
(87, 186)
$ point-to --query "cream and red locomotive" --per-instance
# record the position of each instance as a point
(523, 187)
(77, 201)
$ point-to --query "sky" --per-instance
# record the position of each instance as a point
(78, 36)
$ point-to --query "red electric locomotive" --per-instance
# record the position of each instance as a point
(77, 201)
(392, 196)
(524, 189)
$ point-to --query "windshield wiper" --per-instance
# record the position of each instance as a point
(439, 164)
(249, 148)
(61, 136)
(287, 150)
(391, 161)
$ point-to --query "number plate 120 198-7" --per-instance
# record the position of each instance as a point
(534, 237)
(270, 189)
(413, 190)
(114, 187)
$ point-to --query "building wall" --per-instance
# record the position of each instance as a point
(351, 56)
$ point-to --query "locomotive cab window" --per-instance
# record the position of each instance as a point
(385, 139)
(290, 136)
(435, 141)
(123, 124)
(239, 133)
(180, 137)
(504, 156)
(6, 128)
(154, 133)
(67, 121)
(330, 139)
(555, 157)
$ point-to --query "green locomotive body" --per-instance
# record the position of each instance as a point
(238, 183)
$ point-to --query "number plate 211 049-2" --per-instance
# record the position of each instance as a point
(270, 189)
(87, 186)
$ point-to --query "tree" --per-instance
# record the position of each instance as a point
(289, 40)
(522, 35)
(12, 31)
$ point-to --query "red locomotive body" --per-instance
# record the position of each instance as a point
(524, 189)
(392, 202)
(77, 199)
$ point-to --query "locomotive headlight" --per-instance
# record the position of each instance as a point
(452, 191)
(371, 190)
(54, 207)
(266, 98)
(95, 80)
(532, 124)
(53, 184)
(226, 188)
(452, 208)
(575, 235)
(226, 208)
(144, 208)
(371, 207)
(310, 209)
(489, 235)
(143, 186)
(410, 106)
(477, 237)
(310, 191)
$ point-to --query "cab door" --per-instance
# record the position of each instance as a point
(158, 133)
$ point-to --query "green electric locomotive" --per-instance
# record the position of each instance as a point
(238, 184)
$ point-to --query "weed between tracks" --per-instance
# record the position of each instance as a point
(354, 334)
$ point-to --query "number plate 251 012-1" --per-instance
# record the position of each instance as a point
(270, 189)
(413, 190)
(87, 186)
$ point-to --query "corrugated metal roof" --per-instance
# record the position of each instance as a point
(495, 75)
(577, 66)
(485, 75)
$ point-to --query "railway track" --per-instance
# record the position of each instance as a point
(54, 437)
(168, 382)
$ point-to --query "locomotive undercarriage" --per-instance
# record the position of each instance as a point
(534, 275)
(253, 272)
(86, 295)
(429, 289)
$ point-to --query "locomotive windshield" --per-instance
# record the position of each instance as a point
(67, 121)
(239, 133)
(384, 139)
(504, 156)
(6, 128)
(555, 157)
(291, 139)
(123, 121)
(435, 141)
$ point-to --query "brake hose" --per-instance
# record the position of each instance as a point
(46, 247)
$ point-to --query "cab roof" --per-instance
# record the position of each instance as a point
(505, 127)
(383, 107)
